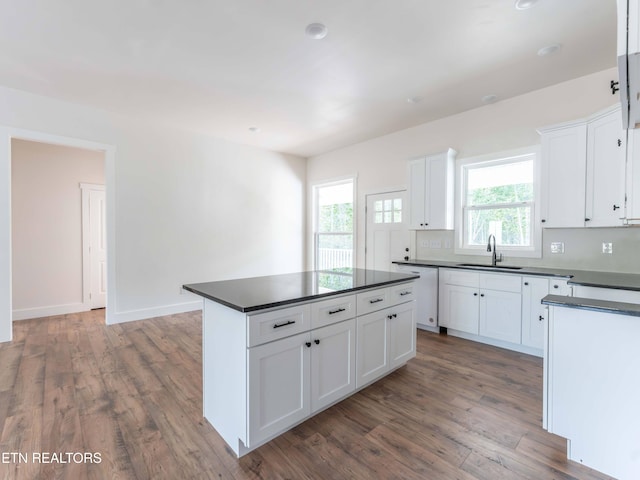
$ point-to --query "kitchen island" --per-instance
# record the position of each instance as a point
(279, 349)
(591, 392)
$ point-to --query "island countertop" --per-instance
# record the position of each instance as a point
(259, 293)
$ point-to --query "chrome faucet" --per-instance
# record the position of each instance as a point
(495, 258)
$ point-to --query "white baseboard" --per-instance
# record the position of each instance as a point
(144, 313)
(49, 311)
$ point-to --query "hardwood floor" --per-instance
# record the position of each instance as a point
(132, 393)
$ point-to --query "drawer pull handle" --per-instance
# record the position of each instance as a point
(376, 300)
(402, 294)
(540, 318)
(333, 312)
(278, 325)
(308, 344)
(393, 315)
(316, 341)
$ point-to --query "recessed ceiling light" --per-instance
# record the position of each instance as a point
(525, 4)
(254, 129)
(549, 49)
(491, 98)
(317, 31)
(414, 100)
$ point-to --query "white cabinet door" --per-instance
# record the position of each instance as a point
(278, 386)
(564, 157)
(417, 193)
(439, 196)
(606, 156)
(431, 183)
(500, 315)
(459, 308)
(333, 363)
(534, 289)
(371, 350)
(402, 333)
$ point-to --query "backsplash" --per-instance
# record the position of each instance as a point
(583, 249)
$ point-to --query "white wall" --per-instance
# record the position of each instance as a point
(46, 226)
(509, 124)
(182, 207)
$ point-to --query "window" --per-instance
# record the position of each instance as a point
(498, 196)
(333, 223)
(387, 211)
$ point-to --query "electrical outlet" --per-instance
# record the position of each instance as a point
(424, 243)
(607, 247)
(557, 247)
(435, 244)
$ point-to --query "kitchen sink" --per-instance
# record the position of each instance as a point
(482, 265)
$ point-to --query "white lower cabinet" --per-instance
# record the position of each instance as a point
(386, 340)
(500, 316)
(459, 306)
(278, 386)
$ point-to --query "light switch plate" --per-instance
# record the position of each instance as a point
(607, 247)
(557, 247)
(435, 244)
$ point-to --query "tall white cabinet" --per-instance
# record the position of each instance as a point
(431, 187)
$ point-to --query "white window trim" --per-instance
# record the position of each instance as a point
(314, 217)
(535, 250)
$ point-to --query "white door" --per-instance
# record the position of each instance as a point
(402, 334)
(459, 308)
(387, 232)
(500, 315)
(97, 248)
(533, 312)
(371, 349)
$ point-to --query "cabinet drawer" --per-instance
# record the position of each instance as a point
(402, 293)
(269, 326)
(505, 282)
(332, 310)
(560, 287)
(465, 278)
(372, 300)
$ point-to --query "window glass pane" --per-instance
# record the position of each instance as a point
(334, 251)
(397, 217)
(397, 204)
(505, 183)
(388, 204)
(387, 217)
(511, 226)
(377, 206)
(378, 217)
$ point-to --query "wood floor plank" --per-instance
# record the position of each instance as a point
(133, 393)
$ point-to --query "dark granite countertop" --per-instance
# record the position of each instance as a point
(605, 306)
(259, 293)
(587, 278)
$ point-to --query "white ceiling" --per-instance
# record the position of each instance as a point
(222, 66)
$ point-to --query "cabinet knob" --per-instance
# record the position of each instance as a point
(616, 207)
(587, 219)
(475, 294)
(482, 294)
(308, 344)
(619, 142)
(406, 258)
(540, 318)
(317, 341)
(526, 283)
(556, 286)
(406, 249)
(543, 220)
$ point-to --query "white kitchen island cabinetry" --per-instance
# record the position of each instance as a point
(591, 397)
(426, 288)
(277, 350)
(431, 188)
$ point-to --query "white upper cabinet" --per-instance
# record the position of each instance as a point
(564, 166)
(431, 184)
(629, 61)
(606, 156)
(583, 172)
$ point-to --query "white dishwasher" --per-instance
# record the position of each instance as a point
(426, 288)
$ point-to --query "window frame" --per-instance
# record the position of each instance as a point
(315, 233)
(461, 208)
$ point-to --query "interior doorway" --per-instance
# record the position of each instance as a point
(51, 273)
(387, 230)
